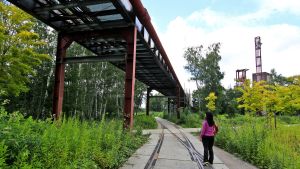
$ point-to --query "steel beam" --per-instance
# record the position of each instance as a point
(69, 5)
(130, 77)
(169, 97)
(84, 15)
(85, 59)
(148, 100)
(63, 42)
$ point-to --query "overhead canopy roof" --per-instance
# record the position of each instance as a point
(75, 16)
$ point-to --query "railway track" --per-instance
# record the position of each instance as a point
(183, 139)
(154, 156)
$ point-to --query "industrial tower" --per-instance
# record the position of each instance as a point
(259, 75)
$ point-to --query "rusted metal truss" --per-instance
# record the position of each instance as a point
(117, 31)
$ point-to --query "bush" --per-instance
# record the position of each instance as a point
(28, 143)
(145, 122)
(265, 147)
(157, 114)
(289, 119)
(187, 120)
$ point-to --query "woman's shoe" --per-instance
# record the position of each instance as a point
(205, 164)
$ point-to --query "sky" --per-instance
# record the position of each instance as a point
(235, 24)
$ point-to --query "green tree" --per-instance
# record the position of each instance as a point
(211, 98)
(288, 98)
(205, 70)
(277, 79)
(18, 54)
(37, 102)
(158, 103)
(140, 89)
(230, 103)
(252, 100)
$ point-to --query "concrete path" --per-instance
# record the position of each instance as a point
(174, 155)
(232, 161)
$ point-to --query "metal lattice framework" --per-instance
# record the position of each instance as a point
(118, 31)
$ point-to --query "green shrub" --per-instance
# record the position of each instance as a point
(265, 147)
(187, 120)
(28, 143)
(145, 122)
(289, 119)
(3, 150)
(157, 114)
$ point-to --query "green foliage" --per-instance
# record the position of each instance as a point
(253, 141)
(230, 105)
(211, 98)
(277, 79)
(252, 100)
(158, 104)
(288, 99)
(3, 151)
(145, 122)
(187, 120)
(289, 119)
(139, 93)
(205, 70)
(270, 98)
(27, 143)
(157, 114)
(18, 55)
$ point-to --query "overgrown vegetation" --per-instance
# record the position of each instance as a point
(144, 122)
(253, 140)
(28, 143)
(187, 120)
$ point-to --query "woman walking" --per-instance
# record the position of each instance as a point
(208, 132)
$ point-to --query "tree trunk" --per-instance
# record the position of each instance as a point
(46, 92)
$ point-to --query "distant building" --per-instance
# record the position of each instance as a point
(261, 76)
(240, 76)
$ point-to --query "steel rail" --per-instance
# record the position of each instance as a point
(152, 160)
(195, 155)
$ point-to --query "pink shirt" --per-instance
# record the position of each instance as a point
(207, 130)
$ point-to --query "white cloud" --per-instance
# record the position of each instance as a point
(210, 17)
(292, 6)
(280, 49)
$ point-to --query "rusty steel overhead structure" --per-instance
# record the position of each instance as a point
(117, 31)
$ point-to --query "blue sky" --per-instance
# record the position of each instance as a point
(163, 11)
(233, 23)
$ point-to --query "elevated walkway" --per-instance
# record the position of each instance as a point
(115, 31)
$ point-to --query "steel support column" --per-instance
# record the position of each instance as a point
(63, 42)
(130, 77)
(178, 102)
(148, 100)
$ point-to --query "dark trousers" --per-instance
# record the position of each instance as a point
(208, 142)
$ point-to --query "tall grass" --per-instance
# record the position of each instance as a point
(187, 120)
(28, 143)
(254, 141)
(145, 122)
(142, 121)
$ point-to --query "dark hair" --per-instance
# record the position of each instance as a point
(210, 119)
